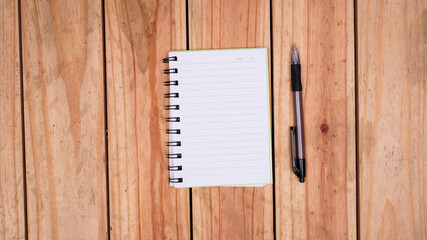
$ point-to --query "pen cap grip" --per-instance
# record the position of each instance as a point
(296, 77)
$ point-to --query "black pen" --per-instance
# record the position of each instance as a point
(298, 164)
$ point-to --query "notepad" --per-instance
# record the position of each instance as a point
(219, 122)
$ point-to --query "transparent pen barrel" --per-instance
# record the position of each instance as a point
(299, 123)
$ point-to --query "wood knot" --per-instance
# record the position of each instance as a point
(324, 128)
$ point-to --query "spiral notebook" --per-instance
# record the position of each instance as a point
(219, 121)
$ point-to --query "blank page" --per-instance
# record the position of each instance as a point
(224, 112)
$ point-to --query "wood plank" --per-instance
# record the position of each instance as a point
(392, 102)
(324, 207)
(139, 34)
(231, 212)
(12, 209)
(64, 119)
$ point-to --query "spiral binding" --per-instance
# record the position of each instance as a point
(172, 107)
(174, 144)
(174, 155)
(175, 180)
(175, 168)
(173, 131)
(170, 70)
(170, 59)
(171, 83)
(173, 119)
(172, 95)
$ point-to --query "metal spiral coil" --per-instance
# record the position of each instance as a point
(172, 107)
(171, 83)
(175, 180)
(170, 70)
(170, 59)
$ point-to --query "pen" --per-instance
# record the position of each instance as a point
(297, 132)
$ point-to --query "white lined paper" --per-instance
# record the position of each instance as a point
(225, 122)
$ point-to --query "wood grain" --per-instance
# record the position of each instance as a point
(64, 119)
(231, 212)
(12, 209)
(139, 34)
(392, 69)
(324, 207)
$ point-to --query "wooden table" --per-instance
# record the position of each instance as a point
(82, 119)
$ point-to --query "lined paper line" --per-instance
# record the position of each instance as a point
(218, 62)
(231, 161)
(206, 128)
(220, 148)
(215, 82)
(227, 121)
(212, 89)
(221, 115)
(222, 135)
(245, 166)
(227, 75)
(223, 95)
(209, 69)
(198, 103)
(223, 154)
(221, 141)
(225, 108)
(231, 174)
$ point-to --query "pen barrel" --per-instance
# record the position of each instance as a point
(299, 123)
(296, 77)
(301, 165)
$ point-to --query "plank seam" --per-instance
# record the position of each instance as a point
(356, 118)
(107, 175)
(24, 160)
(272, 119)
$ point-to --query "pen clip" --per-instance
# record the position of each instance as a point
(294, 166)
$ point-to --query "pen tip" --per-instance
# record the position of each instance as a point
(294, 55)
